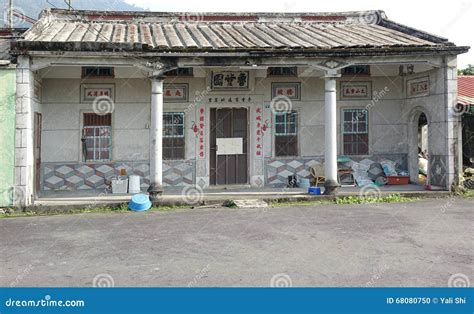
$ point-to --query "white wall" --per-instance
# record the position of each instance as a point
(62, 110)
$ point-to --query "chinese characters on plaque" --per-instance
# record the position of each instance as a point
(230, 99)
(290, 90)
(418, 87)
(230, 80)
(356, 90)
(89, 92)
(175, 92)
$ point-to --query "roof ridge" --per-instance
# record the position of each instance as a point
(367, 17)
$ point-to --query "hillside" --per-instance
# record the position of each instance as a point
(32, 8)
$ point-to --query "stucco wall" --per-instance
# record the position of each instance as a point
(7, 135)
(389, 116)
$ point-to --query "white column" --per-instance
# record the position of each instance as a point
(330, 134)
(156, 137)
(24, 150)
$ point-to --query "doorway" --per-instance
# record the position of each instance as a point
(419, 147)
(422, 149)
(228, 146)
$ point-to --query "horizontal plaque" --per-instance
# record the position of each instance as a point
(175, 92)
(418, 87)
(89, 92)
(356, 90)
(290, 90)
(229, 80)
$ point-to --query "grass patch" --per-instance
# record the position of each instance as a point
(229, 203)
(120, 208)
(392, 198)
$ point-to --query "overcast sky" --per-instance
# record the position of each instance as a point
(452, 19)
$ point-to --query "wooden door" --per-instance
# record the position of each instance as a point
(37, 145)
(228, 168)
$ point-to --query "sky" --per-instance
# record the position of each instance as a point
(450, 19)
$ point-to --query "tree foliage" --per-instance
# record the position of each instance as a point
(469, 70)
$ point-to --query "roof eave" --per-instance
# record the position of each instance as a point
(22, 47)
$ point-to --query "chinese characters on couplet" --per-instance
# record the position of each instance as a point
(201, 128)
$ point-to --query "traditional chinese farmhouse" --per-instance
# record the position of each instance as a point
(217, 99)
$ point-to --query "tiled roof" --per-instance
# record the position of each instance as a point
(466, 89)
(7, 35)
(153, 31)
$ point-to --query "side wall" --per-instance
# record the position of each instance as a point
(7, 135)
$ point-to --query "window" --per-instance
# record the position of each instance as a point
(180, 72)
(282, 71)
(97, 137)
(92, 72)
(173, 135)
(355, 132)
(286, 134)
(356, 70)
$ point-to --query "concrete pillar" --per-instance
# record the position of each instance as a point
(156, 138)
(24, 150)
(330, 134)
(452, 120)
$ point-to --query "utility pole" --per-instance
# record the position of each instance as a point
(10, 14)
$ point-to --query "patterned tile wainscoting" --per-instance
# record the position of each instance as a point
(438, 170)
(277, 170)
(75, 177)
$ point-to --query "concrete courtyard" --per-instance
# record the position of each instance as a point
(420, 243)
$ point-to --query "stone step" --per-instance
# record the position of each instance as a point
(250, 203)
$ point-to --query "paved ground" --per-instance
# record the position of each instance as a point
(213, 195)
(408, 244)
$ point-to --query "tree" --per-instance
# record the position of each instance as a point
(467, 71)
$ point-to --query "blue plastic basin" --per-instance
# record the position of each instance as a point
(314, 190)
(139, 202)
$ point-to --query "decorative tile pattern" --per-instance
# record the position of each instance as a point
(178, 173)
(60, 176)
(438, 170)
(278, 170)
